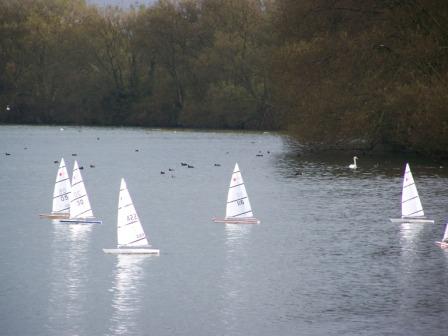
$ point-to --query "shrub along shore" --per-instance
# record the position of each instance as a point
(370, 74)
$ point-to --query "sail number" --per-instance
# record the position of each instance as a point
(63, 194)
(131, 217)
(240, 202)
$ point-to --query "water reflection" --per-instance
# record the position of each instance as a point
(237, 236)
(411, 273)
(409, 244)
(127, 296)
(409, 233)
(68, 297)
(335, 164)
(235, 281)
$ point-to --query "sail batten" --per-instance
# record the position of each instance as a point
(238, 199)
(62, 189)
(238, 204)
(130, 232)
(411, 205)
(238, 208)
(243, 213)
(79, 204)
(62, 194)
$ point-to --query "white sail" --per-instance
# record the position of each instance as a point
(79, 202)
(410, 200)
(445, 235)
(129, 229)
(238, 204)
(62, 190)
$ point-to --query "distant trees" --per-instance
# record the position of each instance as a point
(334, 72)
(372, 72)
(177, 63)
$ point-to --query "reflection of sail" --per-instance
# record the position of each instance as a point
(68, 299)
(235, 282)
(127, 297)
(408, 275)
(409, 234)
(236, 235)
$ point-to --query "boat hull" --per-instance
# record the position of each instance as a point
(442, 244)
(55, 215)
(241, 220)
(132, 251)
(412, 220)
(80, 221)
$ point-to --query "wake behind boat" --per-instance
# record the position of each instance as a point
(238, 209)
(411, 206)
(131, 238)
(80, 209)
(61, 195)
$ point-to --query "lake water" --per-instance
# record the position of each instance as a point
(325, 259)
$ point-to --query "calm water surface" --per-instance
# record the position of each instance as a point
(324, 261)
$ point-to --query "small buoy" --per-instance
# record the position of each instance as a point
(190, 166)
(61, 129)
(74, 154)
(8, 108)
(92, 166)
(55, 161)
(162, 172)
(81, 168)
(7, 153)
(170, 169)
(183, 164)
(217, 165)
(136, 150)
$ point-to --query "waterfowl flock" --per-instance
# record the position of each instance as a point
(352, 166)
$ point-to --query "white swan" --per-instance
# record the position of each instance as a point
(353, 165)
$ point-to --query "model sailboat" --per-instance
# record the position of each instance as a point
(131, 239)
(411, 206)
(80, 209)
(61, 194)
(444, 242)
(238, 209)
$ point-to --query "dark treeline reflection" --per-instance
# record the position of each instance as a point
(335, 72)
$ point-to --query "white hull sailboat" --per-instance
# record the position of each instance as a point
(61, 195)
(80, 209)
(238, 209)
(131, 238)
(411, 206)
(444, 242)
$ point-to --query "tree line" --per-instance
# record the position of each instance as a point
(334, 72)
